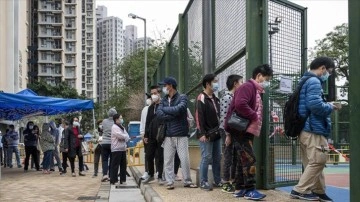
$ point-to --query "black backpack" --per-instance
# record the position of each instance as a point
(293, 122)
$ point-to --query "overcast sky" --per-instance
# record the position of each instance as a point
(162, 15)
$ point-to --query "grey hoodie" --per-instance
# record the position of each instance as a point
(107, 125)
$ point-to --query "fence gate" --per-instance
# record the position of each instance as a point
(287, 55)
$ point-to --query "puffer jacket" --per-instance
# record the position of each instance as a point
(313, 105)
(107, 125)
(47, 141)
(174, 115)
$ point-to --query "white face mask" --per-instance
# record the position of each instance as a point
(265, 84)
(148, 102)
(155, 98)
(31, 127)
(165, 90)
(76, 123)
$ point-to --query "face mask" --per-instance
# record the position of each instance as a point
(49, 129)
(265, 84)
(165, 90)
(31, 127)
(76, 123)
(148, 102)
(215, 86)
(100, 126)
(155, 98)
(325, 77)
(121, 121)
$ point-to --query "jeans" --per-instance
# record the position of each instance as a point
(105, 155)
(97, 159)
(210, 153)
(31, 151)
(14, 149)
(47, 158)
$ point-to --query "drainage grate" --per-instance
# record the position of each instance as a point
(125, 187)
(86, 198)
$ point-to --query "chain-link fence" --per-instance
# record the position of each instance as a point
(286, 42)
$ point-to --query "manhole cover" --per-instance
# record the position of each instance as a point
(86, 198)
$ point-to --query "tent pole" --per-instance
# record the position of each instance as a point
(94, 119)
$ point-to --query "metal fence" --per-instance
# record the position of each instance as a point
(184, 60)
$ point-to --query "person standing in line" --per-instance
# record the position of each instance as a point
(1, 150)
(5, 148)
(64, 152)
(73, 139)
(56, 154)
(207, 119)
(106, 144)
(233, 82)
(12, 139)
(172, 111)
(47, 143)
(36, 131)
(30, 141)
(313, 138)
(119, 137)
(247, 103)
(144, 113)
(97, 137)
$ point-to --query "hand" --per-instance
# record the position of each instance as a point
(336, 105)
(146, 140)
(80, 136)
(203, 139)
(227, 140)
(66, 150)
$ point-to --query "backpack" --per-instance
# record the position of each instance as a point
(293, 122)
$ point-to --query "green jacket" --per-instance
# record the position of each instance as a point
(47, 141)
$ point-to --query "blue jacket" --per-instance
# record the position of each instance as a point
(174, 115)
(312, 104)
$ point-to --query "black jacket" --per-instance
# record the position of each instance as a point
(207, 117)
(70, 141)
(152, 123)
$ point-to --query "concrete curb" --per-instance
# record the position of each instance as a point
(149, 193)
(104, 192)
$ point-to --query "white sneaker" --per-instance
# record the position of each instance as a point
(145, 176)
(177, 178)
(105, 178)
(161, 181)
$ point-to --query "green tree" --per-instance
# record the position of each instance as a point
(127, 95)
(336, 46)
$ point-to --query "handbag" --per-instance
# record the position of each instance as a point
(237, 123)
(84, 148)
(160, 136)
(213, 134)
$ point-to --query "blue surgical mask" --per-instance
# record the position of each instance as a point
(325, 77)
(215, 86)
(165, 90)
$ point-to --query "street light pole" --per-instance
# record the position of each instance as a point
(133, 16)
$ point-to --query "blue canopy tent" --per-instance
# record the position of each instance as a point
(27, 103)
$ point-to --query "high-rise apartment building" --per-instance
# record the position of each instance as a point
(101, 12)
(140, 43)
(13, 45)
(111, 50)
(62, 48)
(130, 39)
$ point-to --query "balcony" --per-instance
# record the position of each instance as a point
(49, 60)
(56, 8)
(70, 62)
(68, 2)
(70, 50)
(70, 26)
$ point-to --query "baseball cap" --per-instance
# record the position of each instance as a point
(169, 81)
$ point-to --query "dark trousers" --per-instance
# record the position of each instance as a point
(155, 151)
(31, 150)
(230, 161)
(38, 159)
(105, 156)
(1, 156)
(64, 160)
(97, 155)
(118, 159)
(80, 158)
(176, 163)
(245, 175)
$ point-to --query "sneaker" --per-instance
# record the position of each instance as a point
(323, 197)
(205, 186)
(123, 183)
(219, 184)
(82, 173)
(308, 197)
(149, 179)
(95, 175)
(105, 178)
(177, 178)
(228, 188)
(240, 193)
(254, 195)
(19, 166)
(73, 174)
(145, 176)
(161, 181)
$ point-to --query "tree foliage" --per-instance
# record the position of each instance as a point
(128, 94)
(336, 46)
